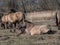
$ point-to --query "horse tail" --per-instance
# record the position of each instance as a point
(56, 19)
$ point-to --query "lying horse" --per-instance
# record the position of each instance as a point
(26, 28)
(36, 29)
(39, 29)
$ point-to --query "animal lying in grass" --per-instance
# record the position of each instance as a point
(27, 28)
(37, 29)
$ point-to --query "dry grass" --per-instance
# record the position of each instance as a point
(44, 39)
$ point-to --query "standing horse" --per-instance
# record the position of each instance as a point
(12, 18)
(58, 18)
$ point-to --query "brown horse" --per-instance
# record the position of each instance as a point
(37, 29)
(26, 29)
(29, 25)
(58, 18)
(11, 18)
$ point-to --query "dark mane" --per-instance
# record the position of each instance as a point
(12, 11)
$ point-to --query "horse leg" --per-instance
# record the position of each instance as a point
(14, 29)
(10, 27)
(5, 27)
(56, 20)
(17, 26)
(0, 25)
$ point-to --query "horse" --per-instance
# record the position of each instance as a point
(58, 19)
(26, 28)
(12, 18)
(37, 29)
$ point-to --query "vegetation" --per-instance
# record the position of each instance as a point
(31, 5)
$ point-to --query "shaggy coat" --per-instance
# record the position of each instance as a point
(36, 29)
(29, 25)
(9, 20)
(12, 17)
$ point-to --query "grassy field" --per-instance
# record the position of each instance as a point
(8, 38)
(43, 39)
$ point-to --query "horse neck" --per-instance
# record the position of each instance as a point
(29, 25)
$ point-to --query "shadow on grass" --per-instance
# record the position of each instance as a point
(50, 32)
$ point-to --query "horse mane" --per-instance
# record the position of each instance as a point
(12, 10)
